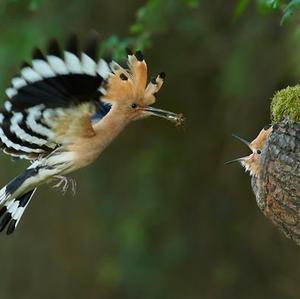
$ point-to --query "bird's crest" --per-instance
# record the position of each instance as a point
(130, 83)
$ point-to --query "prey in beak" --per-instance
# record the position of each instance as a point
(178, 119)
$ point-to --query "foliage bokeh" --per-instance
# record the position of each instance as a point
(159, 215)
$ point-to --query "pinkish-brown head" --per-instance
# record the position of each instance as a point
(128, 90)
(252, 163)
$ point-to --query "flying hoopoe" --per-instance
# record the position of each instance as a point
(63, 110)
(252, 162)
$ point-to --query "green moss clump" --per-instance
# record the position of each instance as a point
(286, 104)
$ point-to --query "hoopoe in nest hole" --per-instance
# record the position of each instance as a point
(63, 110)
(252, 162)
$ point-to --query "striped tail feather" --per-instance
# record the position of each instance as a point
(15, 196)
(12, 211)
(3, 195)
(19, 185)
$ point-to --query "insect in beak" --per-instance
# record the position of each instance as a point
(178, 119)
(243, 158)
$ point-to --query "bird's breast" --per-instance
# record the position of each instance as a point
(87, 150)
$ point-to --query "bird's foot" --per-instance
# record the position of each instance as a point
(64, 183)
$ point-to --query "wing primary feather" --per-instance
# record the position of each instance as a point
(72, 44)
(91, 47)
(25, 64)
(73, 63)
(37, 54)
(18, 82)
(53, 48)
(11, 92)
(29, 131)
(30, 75)
(88, 65)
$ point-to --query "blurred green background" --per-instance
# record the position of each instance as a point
(159, 215)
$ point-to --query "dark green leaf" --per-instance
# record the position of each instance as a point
(289, 10)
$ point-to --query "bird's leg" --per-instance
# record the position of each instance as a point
(61, 180)
(73, 185)
(65, 182)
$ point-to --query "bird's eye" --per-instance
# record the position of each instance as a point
(258, 152)
(134, 105)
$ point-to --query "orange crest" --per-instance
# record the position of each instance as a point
(261, 138)
(130, 84)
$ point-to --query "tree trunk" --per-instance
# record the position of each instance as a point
(277, 188)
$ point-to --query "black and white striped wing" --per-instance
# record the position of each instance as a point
(57, 83)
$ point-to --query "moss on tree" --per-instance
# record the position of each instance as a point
(286, 104)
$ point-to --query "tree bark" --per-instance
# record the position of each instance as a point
(277, 188)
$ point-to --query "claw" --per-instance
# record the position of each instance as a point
(64, 183)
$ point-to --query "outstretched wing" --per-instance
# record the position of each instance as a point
(53, 99)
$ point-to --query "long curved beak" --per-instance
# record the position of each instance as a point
(243, 158)
(235, 160)
(171, 116)
(242, 140)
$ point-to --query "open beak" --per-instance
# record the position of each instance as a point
(242, 140)
(178, 119)
(243, 158)
(235, 160)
